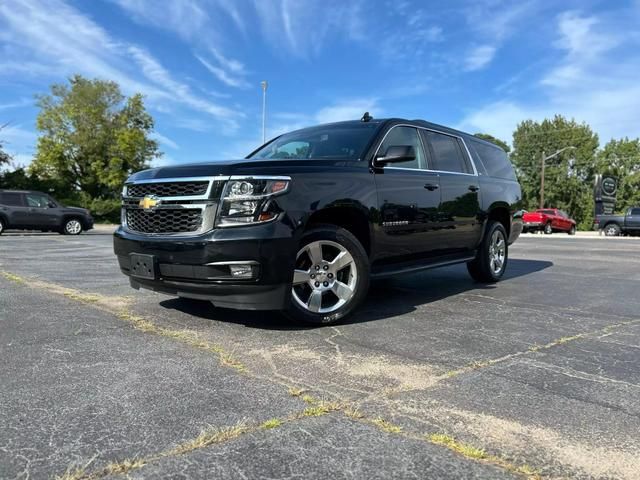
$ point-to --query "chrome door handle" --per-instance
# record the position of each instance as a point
(431, 186)
(474, 188)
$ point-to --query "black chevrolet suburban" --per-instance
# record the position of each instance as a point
(304, 222)
(30, 210)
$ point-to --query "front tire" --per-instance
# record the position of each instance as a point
(330, 278)
(572, 230)
(548, 230)
(72, 226)
(2, 226)
(492, 257)
(612, 230)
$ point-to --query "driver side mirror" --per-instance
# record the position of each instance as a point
(396, 154)
(51, 205)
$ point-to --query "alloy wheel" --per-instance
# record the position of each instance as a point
(324, 278)
(497, 252)
(73, 227)
(611, 231)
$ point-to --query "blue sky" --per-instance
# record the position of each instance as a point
(481, 65)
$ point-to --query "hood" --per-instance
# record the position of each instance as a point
(235, 167)
(77, 210)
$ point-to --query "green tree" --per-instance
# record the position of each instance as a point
(621, 159)
(568, 177)
(92, 137)
(490, 138)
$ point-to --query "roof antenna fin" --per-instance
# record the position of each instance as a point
(366, 117)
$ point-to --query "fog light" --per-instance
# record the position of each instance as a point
(241, 271)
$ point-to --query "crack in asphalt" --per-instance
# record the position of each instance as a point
(119, 306)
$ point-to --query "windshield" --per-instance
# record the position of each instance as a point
(343, 141)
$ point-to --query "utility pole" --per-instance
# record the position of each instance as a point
(543, 160)
(264, 85)
(542, 180)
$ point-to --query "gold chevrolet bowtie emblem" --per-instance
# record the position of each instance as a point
(148, 203)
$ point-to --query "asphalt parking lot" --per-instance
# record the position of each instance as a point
(435, 377)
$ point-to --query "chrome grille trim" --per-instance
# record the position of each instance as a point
(207, 203)
(168, 189)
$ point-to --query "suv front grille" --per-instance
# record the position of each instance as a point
(168, 189)
(165, 220)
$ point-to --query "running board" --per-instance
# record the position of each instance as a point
(401, 270)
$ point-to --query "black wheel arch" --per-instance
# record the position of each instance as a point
(500, 212)
(350, 217)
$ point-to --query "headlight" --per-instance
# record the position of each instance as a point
(249, 200)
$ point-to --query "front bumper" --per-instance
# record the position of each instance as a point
(183, 265)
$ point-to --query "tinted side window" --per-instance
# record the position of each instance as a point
(11, 199)
(446, 152)
(495, 160)
(37, 200)
(635, 211)
(404, 136)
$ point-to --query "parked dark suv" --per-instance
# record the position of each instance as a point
(304, 222)
(29, 210)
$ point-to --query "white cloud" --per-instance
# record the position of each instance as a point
(479, 57)
(198, 23)
(583, 45)
(589, 83)
(59, 38)
(348, 110)
(19, 143)
(17, 135)
(163, 161)
(165, 141)
(222, 75)
(20, 103)
(493, 21)
(185, 17)
(155, 72)
(301, 28)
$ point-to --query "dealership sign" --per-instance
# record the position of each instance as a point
(604, 194)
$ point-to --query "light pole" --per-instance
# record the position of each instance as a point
(264, 86)
(543, 160)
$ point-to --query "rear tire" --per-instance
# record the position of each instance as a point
(612, 230)
(548, 230)
(2, 226)
(72, 226)
(492, 257)
(331, 276)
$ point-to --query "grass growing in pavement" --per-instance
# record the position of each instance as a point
(272, 423)
(14, 278)
(559, 341)
(462, 448)
(208, 437)
(474, 453)
(296, 392)
(386, 426)
(316, 407)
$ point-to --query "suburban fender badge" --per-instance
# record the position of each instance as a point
(149, 202)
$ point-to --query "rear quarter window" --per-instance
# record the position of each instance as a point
(11, 199)
(494, 159)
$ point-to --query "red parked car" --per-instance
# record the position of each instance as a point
(548, 220)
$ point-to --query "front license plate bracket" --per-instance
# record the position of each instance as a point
(143, 266)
